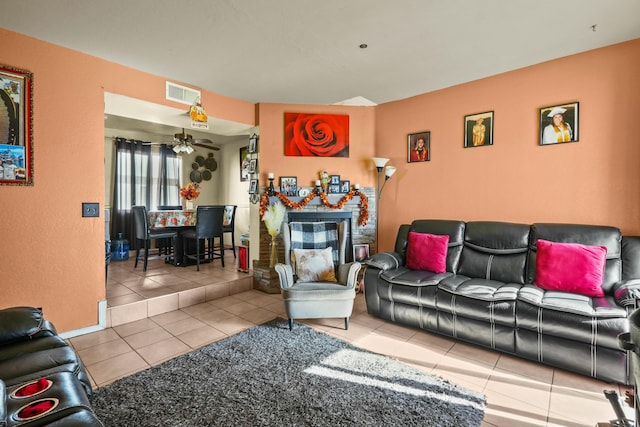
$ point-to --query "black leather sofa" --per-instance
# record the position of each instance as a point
(486, 295)
(42, 380)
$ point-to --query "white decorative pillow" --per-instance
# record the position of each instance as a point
(314, 265)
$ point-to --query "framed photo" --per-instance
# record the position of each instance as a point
(245, 159)
(334, 179)
(559, 123)
(334, 188)
(345, 186)
(253, 144)
(289, 185)
(253, 166)
(253, 186)
(478, 129)
(419, 147)
(360, 252)
(16, 127)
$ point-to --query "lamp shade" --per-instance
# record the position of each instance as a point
(380, 161)
(389, 171)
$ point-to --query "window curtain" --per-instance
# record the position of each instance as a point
(142, 177)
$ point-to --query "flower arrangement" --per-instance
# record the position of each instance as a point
(191, 191)
(273, 217)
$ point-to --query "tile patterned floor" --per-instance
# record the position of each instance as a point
(519, 392)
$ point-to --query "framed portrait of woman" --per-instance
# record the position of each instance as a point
(478, 129)
(419, 147)
(559, 124)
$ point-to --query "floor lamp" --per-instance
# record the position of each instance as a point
(388, 173)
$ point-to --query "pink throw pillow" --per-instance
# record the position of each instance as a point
(570, 267)
(427, 252)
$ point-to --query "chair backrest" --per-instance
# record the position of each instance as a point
(315, 235)
(169, 208)
(209, 221)
(140, 222)
(229, 217)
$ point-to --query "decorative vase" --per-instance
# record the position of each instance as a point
(273, 259)
(188, 205)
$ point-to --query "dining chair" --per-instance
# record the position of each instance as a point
(208, 228)
(229, 224)
(169, 208)
(144, 235)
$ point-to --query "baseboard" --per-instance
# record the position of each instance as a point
(102, 323)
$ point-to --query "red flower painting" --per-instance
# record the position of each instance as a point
(319, 135)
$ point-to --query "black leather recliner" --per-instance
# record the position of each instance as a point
(42, 379)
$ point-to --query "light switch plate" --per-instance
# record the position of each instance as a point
(90, 210)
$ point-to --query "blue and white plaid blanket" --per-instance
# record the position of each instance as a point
(315, 235)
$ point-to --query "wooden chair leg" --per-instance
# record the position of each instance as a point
(197, 254)
(346, 323)
(290, 324)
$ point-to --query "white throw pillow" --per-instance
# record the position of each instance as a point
(314, 265)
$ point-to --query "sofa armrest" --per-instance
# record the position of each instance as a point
(20, 323)
(627, 293)
(385, 261)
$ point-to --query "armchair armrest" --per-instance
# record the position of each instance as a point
(627, 293)
(348, 273)
(385, 261)
(285, 274)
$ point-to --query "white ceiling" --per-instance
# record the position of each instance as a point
(303, 51)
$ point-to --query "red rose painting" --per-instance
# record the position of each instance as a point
(319, 135)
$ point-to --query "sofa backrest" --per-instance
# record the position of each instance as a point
(495, 251)
(455, 231)
(593, 235)
(630, 258)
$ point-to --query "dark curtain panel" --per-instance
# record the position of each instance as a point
(169, 177)
(132, 185)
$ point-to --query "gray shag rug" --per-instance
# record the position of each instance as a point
(270, 376)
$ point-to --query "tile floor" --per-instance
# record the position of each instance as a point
(519, 392)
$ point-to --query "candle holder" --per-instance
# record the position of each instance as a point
(271, 190)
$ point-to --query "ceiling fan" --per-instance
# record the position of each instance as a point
(184, 143)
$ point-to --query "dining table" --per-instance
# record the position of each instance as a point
(180, 220)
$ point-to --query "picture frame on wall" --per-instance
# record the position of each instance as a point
(253, 144)
(253, 186)
(360, 252)
(478, 129)
(253, 166)
(289, 185)
(16, 127)
(419, 147)
(245, 159)
(559, 123)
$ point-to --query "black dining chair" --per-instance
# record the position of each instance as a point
(208, 227)
(229, 225)
(169, 208)
(144, 235)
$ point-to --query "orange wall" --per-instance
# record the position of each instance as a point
(49, 255)
(593, 181)
(357, 167)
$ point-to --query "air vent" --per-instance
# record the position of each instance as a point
(181, 94)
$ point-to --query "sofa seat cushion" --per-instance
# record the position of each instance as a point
(408, 277)
(490, 301)
(594, 320)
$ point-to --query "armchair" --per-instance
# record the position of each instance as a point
(314, 279)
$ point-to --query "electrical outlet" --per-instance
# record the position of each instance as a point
(90, 210)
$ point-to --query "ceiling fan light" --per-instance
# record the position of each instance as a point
(188, 149)
(176, 149)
